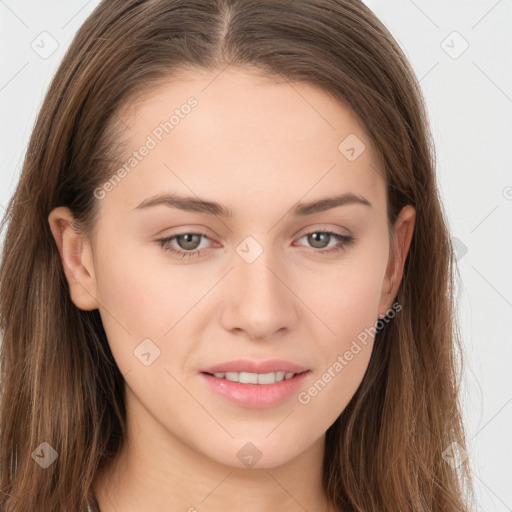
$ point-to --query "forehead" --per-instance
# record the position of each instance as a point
(243, 135)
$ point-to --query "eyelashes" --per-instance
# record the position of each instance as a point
(343, 243)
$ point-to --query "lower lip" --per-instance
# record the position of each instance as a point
(256, 396)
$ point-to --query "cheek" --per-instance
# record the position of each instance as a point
(138, 289)
(136, 302)
(347, 298)
(350, 313)
(334, 386)
(347, 305)
(142, 297)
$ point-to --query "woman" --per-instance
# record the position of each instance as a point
(227, 276)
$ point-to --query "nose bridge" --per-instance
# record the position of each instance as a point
(256, 268)
(260, 302)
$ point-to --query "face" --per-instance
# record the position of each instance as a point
(270, 272)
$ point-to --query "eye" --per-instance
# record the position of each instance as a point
(318, 239)
(188, 243)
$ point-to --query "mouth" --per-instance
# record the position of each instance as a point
(263, 379)
(255, 390)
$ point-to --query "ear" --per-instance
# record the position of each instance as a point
(403, 229)
(76, 256)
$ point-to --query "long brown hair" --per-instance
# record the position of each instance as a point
(59, 381)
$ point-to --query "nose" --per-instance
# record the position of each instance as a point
(259, 298)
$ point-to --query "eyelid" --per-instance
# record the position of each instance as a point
(185, 230)
(190, 229)
(314, 228)
(344, 242)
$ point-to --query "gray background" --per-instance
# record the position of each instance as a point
(469, 98)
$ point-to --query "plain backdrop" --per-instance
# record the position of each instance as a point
(461, 52)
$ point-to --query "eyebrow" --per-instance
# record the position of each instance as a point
(193, 204)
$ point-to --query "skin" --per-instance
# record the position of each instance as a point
(257, 148)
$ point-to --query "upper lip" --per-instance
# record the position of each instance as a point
(250, 366)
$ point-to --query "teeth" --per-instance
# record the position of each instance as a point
(254, 378)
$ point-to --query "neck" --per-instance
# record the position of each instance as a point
(157, 472)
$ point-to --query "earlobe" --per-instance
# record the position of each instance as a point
(76, 258)
(404, 229)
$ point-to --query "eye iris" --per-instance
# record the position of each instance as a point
(313, 239)
(188, 237)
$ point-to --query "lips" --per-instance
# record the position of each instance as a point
(235, 381)
(260, 367)
(255, 396)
